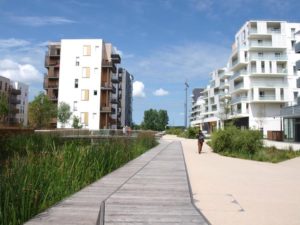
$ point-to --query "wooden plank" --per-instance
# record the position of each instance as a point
(152, 189)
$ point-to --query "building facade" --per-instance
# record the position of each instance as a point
(17, 99)
(291, 114)
(125, 95)
(83, 73)
(259, 79)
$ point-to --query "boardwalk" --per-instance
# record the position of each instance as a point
(152, 189)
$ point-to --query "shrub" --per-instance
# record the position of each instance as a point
(231, 139)
(191, 132)
(174, 131)
(223, 140)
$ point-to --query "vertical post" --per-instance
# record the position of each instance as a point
(185, 115)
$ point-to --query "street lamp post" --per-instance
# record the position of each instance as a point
(185, 105)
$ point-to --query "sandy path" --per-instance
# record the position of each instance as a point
(233, 191)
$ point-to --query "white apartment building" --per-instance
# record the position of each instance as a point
(80, 73)
(260, 78)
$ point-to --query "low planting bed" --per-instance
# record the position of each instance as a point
(247, 144)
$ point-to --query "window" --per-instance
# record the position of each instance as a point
(96, 71)
(77, 61)
(86, 50)
(76, 83)
(260, 54)
(294, 70)
(75, 106)
(262, 66)
(261, 93)
(86, 72)
(259, 42)
(84, 95)
(95, 92)
(293, 44)
(84, 118)
(277, 54)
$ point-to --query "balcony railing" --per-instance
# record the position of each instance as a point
(106, 86)
(269, 57)
(116, 58)
(105, 109)
(235, 75)
(261, 44)
(274, 30)
(298, 65)
(290, 111)
(239, 85)
(297, 47)
(239, 99)
(267, 97)
(268, 84)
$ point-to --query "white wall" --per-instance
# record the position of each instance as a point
(70, 49)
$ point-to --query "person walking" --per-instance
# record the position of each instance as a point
(200, 137)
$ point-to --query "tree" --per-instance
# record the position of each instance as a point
(4, 109)
(163, 119)
(41, 111)
(63, 113)
(76, 123)
(155, 120)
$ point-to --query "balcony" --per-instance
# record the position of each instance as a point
(54, 50)
(298, 65)
(297, 47)
(268, 83)
(115, 58)
(268, 57)
(14, 101)
(239, 86)
(106, 86)
(239, 99)
(267, 97)
(52, 97)
(292, 111)
(15, 91)
(51, 62)
(114, 79)
(237, 74)
(262, 44)
(52, 74)
(107, 64)
(105, 109)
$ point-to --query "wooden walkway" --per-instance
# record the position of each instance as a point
(152, 189)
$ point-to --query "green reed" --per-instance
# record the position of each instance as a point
(43, 170)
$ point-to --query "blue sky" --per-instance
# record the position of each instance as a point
(162, 42)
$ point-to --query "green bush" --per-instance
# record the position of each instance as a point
(232, 139)
(191, 132)
(174, 131)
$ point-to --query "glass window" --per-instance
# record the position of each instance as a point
(84, 95)
(76, 83)
(84, 118)
(86, 50)
(75, 106)
(86, 72)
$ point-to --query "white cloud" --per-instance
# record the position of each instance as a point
(177, 63)
(38, 21)
(13, 43)
(26, 73)
(160, 92)
(138, 89)
(202, 5)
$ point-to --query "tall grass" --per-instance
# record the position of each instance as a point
(43, 170)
